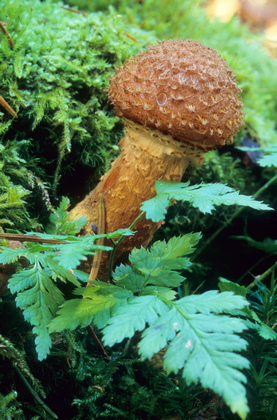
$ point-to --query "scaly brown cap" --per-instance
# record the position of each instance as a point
(181, 88)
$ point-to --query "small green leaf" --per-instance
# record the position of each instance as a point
(127, 278)
(161, 292)
(60, 223)
(157, 266)
(228, 286)
(264, 331)
(73, 253)
(8, 255)
(100, 303)
(269, 159)
(59, 272)
(156, 207)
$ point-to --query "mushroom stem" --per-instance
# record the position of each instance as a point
(146, 156)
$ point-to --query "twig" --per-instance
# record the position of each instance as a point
(96, 265)
(91, 331)
(69, 9)
(5, 32)
(30, 238)
(100, 230)
(130, 36)
(249, 270)
(7, 107)
(262, 276)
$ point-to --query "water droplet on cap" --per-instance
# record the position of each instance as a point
(161, 99)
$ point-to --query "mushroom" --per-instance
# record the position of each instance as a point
(178, 100)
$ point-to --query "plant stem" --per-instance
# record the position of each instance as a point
(262, 276)
(250, 269)
(35, 395)
(101, 230)
(91, 331)
(118, 242)
(7, 107)
(227, 222)
(5, 32)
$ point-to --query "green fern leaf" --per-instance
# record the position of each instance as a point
(203, 345)
(141, 310)
(228, 286)
(204, 197)
(268, 160)
(212, 301)
(9, 255)
(100, 303)
(59, 223)
(200, 338)
(158, 265)
(204, 349)
(39, 299)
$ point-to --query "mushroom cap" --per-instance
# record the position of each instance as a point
(181, 88)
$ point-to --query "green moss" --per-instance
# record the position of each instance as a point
(13, 176)
(55, 78)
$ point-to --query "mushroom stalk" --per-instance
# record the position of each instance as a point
(146, 156)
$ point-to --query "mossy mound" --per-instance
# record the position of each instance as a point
(55, 66)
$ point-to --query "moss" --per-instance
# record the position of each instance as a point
(55, 78)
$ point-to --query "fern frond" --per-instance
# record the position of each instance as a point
(36, 289)
(199, 333)
(39, 299)
(204, 197)
(200, 344)
(158, 266)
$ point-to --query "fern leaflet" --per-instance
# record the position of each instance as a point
(39, 301)
(204, 197)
